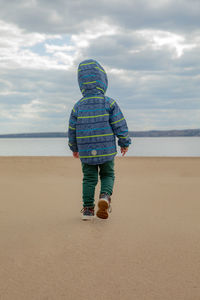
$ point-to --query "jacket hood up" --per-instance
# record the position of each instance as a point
(92, 78)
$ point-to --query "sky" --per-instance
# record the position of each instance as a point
(149, 49)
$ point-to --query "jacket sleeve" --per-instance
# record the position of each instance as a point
(118, 124)
(72, 131)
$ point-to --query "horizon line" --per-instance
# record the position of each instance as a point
(63, 132)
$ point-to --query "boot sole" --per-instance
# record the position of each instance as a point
(87, 218)
(102, 212)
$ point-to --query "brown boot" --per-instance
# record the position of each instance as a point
(104, 206)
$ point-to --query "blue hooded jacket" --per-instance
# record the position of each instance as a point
(96, 119)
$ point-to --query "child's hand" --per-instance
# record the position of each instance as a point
(75, 155)
(124, 150)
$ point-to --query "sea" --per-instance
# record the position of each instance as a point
(141, 146)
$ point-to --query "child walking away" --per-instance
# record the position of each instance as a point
(95, 122)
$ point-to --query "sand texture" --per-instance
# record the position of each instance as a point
(149, 248)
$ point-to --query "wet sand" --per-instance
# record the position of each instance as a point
(148, 249)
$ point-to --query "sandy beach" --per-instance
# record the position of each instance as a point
(148, 249)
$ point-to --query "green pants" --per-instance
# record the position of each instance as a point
(90, 179)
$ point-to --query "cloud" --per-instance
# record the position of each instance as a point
(15, 49)
(162, 119)
(150, 51)
(39, 100)
(19, 49)
(67, 17)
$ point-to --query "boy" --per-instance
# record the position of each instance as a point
(94, 122)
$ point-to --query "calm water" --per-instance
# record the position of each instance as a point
(176, 146)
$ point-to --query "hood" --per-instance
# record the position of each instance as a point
(92, 78)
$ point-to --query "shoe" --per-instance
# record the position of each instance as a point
(104, 206)
(87, 213)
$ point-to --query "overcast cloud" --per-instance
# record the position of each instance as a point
(150, 50)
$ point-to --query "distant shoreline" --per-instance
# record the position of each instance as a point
(151, 133)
